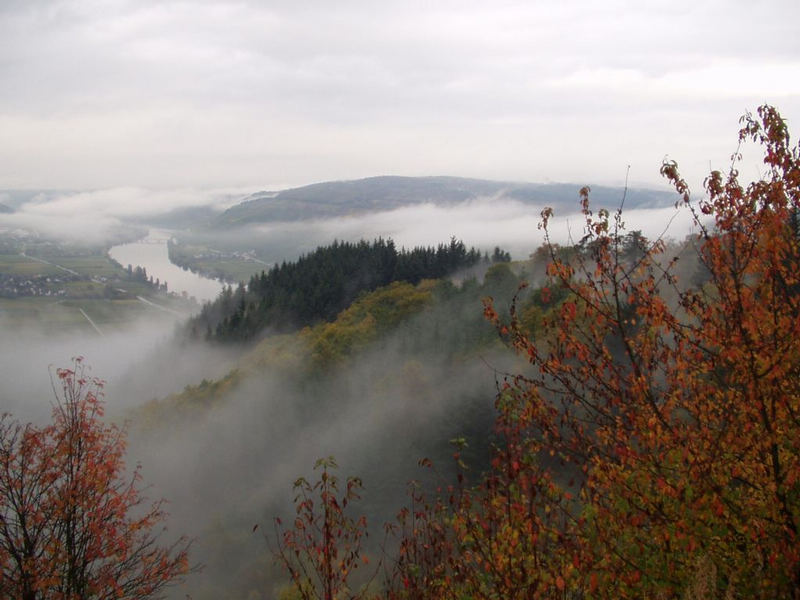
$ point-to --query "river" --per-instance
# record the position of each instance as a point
(151, 253)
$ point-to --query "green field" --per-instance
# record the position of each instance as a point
(89, 266)
(66, 315)
(16, 264)
(93, 266)
(213, 263)
(110, 303)
(228, 269)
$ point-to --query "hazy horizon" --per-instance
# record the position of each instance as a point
(212, 95)
(121, 111)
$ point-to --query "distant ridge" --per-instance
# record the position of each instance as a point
(376, 194)
(5, 209)
(14, 199)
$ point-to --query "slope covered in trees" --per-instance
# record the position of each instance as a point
(394, 377)
(321, 284)
(338, 198)
(645, 427)
(650, 448)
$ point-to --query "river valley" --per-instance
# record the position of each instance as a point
(151, 254)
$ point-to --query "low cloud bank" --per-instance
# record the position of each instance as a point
(484, 223)
(101, 215)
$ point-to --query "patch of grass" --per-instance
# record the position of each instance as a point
(38, 311)
(102, 289)
(216, 264)
(65, 314)
(133, 288)
(230, 269)
(88, 266)
(91, 266)
(16, 264)
(83, 289)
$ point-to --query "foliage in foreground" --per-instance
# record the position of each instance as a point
(652, 448)
(677, 421)
(73, 524)
(321, 550)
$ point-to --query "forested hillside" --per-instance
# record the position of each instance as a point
(617, 418)
(395, 377)
(649, 447)
(391, 379)
(321, 284)
(337, 198)
(431, 318)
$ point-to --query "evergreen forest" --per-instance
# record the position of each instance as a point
(617, 417)
(321, 284)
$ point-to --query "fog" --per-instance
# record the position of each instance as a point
(493, 222)
(483, 223)
(140, 360)
(27, 354)
(102, 216)
(183, 108)
(231, 465)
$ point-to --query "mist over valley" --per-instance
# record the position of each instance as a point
(399, 301)
(222, 428)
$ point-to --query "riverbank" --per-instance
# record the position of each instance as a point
(151, 254)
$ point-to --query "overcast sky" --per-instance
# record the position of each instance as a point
(211, 94)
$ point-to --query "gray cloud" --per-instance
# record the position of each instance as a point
(484, 224)
(217, 93)
(97, 216)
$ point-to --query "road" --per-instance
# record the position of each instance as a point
(158, 306)
(41, 260)
(92, 323)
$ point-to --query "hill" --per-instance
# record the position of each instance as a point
(179, 218)
(14, 199)
(395, 376)
(321, 284)
(403, 372)
(375, 194)
(5, 209)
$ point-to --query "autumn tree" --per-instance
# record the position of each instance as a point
(321, 549)
(73, 521)
(501, 536)
(420, 546)
(678, 407)
(652, 447)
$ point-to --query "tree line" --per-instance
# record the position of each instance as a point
(321, 284)
(649, 449)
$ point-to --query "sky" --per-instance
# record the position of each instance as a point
(262, 95)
